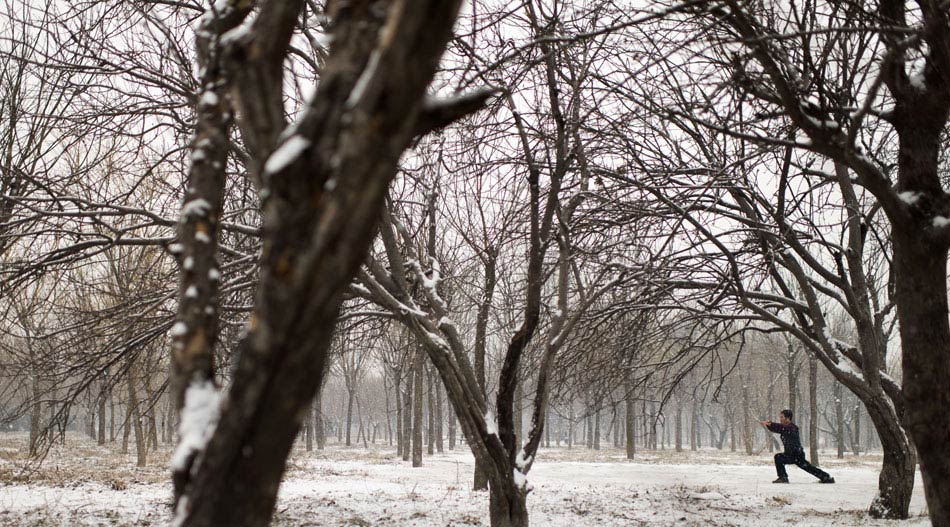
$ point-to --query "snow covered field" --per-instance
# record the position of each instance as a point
(91, 485)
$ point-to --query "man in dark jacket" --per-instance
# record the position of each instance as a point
(794, 454)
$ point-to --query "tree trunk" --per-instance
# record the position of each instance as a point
(36, 415)
(452, 428)
(747, 436)
(679, 425)
(111, 418)
(439, 417)
(896, 481)
(570, 424)
(417, 423)
(480, 477)
(136, 418)
(856, 428)
(839, 419)
(430, 425)
(102, 416)
(319, 426)
(694, 430)
(407, 416)
(920, 267)
(397, 381)
(813, 408)
(319, 221)
(597, 429)
(518, 411)
(507, 509)
(308, 430)
(628, 418)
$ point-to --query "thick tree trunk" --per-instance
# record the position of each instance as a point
(896, 481)
(921, 293)
(508, 509)
(319, 219)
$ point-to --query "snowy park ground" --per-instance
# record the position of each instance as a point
(86, 485)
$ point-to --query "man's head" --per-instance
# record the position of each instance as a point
(785, 416)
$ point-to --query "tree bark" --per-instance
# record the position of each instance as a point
(320, 210)
(350, 399)
(136, 419)
(102, 414)
(439, 417)
(679, 425)
(813, 409)
(628, 418)
(430, 425)
(417, 422)
(318, 423)
(407, 415)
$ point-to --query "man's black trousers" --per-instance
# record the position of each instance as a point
(797, 459)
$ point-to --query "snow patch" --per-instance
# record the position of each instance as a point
(199, 417)
(195, 207)
(363, 82)
(179, 329)
(208, 99)
(286, 153)
(909, 197)
(941, 221)
(490, 424)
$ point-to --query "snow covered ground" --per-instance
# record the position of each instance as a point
(91, 485)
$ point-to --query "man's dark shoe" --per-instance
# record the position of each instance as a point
(829, 479)
(781, 480)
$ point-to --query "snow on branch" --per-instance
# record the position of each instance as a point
(199, 417)
(286, 154)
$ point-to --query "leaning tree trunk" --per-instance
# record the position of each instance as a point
(896, 481)
(322, 197)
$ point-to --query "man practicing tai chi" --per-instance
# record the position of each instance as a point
(794, 454)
